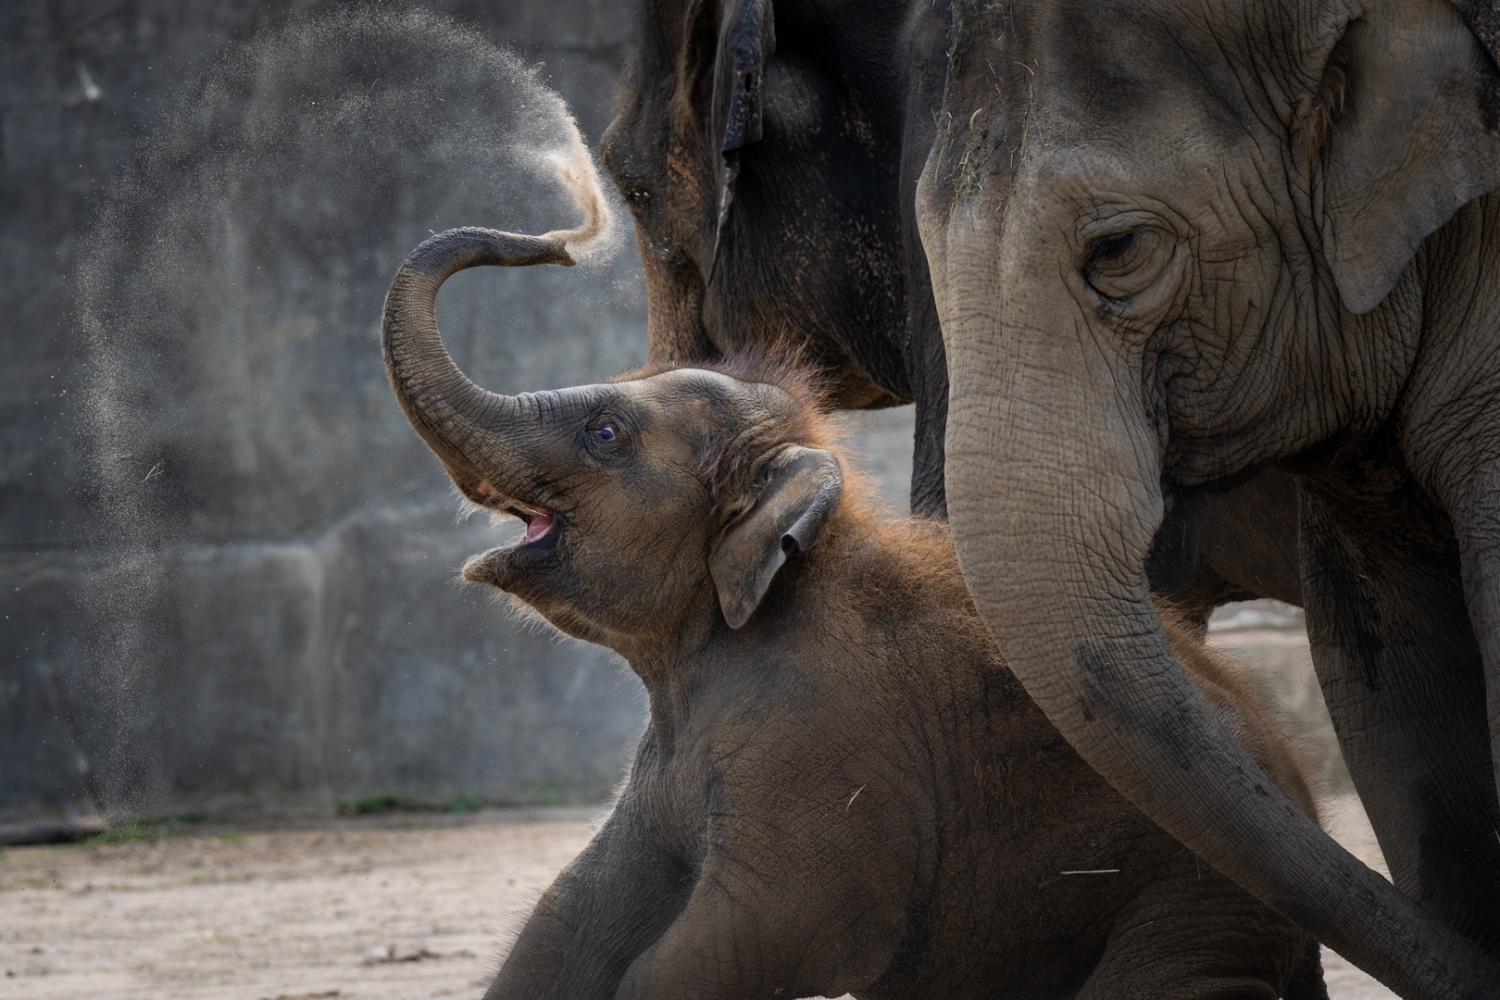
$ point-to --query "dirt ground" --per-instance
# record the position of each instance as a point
(349, 910)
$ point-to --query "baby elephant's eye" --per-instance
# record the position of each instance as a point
(605, 433)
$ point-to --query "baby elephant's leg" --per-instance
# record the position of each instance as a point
(711, 952)
(1192, 939)
(763, 934)
(598, 916)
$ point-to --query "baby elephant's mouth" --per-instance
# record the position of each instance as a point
(538, 526)
(498, 565)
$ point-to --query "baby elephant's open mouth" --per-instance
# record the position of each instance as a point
(539, 521)
(539, 527)
(542, 528)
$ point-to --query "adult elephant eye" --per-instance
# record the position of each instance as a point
(1125, 264)
(1112, 248)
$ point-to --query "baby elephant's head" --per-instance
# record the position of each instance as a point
(653, 504)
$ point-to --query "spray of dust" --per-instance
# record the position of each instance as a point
(236, 268)
(595, 237)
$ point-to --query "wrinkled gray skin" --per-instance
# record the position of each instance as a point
(1175, 243)
(841, 788)
(769, 152)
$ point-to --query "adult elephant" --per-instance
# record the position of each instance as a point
(1173, 244)
(769, 153)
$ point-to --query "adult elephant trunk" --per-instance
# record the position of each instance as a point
(471, 429)
(1053, 483)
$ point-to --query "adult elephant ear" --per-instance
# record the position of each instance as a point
(1406, 126)
(747, 37)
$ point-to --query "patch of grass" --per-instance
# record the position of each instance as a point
(132, 831)
(148, 829)
(387, 803)
(464, 802)
(552, 795)
(379, 805)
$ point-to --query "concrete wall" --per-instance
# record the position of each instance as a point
(227, 563)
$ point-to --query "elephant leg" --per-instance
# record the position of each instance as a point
(606, 907)
(782, 908)
(1403, 679)
(927, 490)
(1477, 526)
(709, 953)
(1198, 936)
(927, 371)
(739, 944)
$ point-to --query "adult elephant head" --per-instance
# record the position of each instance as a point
(1155, 230)
(763, 150)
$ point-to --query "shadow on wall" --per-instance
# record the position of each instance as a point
(231, 566)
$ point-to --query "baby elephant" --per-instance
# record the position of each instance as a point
(842, 788)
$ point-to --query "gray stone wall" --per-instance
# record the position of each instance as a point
(227, 564)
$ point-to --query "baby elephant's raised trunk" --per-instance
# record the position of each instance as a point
(464, 424)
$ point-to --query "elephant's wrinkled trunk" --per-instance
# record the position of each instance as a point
(1053, 484)
(461, 422)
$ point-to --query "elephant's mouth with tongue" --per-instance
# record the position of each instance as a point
(539, 520)
(538, 527)
(541, 531)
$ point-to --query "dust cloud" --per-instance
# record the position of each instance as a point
(229, 298)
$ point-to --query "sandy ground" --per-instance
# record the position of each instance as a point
(349, 910)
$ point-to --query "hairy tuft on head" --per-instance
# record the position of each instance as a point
(797, 410)
(782, 360)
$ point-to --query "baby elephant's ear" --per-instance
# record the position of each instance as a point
(801, 489)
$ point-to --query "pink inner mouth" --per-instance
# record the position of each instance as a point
(538, 527)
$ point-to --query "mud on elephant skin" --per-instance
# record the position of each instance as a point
(1190, 245)
(769, 153)
(841, 788)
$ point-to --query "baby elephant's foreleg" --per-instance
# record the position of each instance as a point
(719, 950)
(757, 934)
(606, 907)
